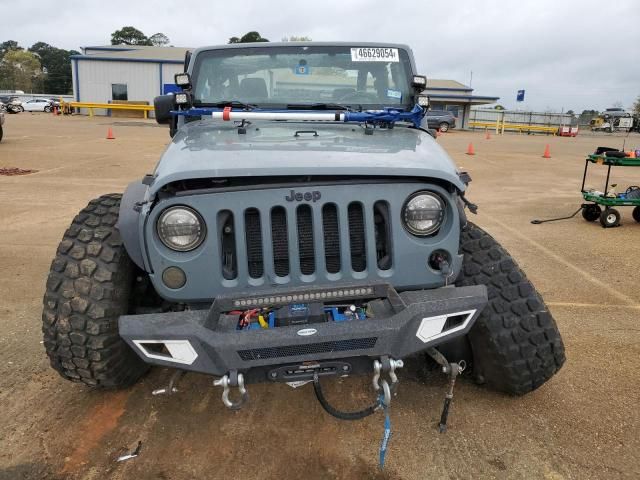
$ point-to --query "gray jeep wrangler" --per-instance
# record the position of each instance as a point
(302, 224)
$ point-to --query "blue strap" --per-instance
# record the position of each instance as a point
(387, 433)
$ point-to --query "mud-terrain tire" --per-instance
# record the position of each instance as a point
(88, 287)
(515, 342)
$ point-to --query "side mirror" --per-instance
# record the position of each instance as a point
(163, 105)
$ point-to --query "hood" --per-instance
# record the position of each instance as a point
(210, 149)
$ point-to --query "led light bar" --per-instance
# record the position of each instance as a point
(302, 297)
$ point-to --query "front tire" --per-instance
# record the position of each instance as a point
(515, 342)
(88, 288)
(47, 109)
(443, 127)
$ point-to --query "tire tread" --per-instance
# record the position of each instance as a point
(86, 291)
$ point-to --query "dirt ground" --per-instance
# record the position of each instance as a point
(582, 424)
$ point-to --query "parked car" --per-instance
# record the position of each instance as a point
(441, 120)
(37, 105)
(12, 104)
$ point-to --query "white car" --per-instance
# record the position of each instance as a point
(37, 105)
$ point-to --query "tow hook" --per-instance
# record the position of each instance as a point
(387, 366)
(232, 379)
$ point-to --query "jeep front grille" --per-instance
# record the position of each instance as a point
(305, 239)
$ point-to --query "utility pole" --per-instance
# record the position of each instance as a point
(471, 79)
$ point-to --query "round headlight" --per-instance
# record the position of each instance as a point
(181, 229)
(423, 213)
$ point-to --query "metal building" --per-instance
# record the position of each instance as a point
(456, 98)
(123, 73)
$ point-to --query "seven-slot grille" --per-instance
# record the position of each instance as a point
(305, 239)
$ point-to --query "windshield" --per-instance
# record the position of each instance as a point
(280, 76)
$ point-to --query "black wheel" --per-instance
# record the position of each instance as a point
(1, 133)
(88, 288)
(591, 213)
(635, 213)
(47, 109)
(515, 343)
(443, 127)
(610, 217)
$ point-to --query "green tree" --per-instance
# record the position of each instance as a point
(159, 40)
(499, 107)
(636, 106)
(129, 36)
(8, 45)
(20, 70)
(57, 63)
(248, 37)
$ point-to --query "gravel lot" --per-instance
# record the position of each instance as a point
(582, 424)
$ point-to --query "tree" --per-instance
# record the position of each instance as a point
(8, 45)
(129, 36)
(57, 63)
(636, 106)
(499, 107)
(20, 70)
(570, 112)
(248, 37)
(293, 38)
(159, 40)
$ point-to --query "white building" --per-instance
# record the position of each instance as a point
(132, 73)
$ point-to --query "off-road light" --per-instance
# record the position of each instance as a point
(181, 228)
(419, 81)
(182, 80)
(423, 100)
(423, 213)
(333, 294)
(181, 98)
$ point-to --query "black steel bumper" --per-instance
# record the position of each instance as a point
(418, 321)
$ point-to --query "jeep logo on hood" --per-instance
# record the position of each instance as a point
(294, 196)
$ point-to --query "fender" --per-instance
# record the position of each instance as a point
(128, 219)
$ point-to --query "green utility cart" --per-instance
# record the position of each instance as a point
(609, 216)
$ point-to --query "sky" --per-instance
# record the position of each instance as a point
(569, 54)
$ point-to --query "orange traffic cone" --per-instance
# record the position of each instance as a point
(632, 154)
(110, 135)
(470, 150)
(488, 136)
(53, 110)
(438, 132)
(547, 152)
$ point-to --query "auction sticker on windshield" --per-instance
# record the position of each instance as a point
(374, 55)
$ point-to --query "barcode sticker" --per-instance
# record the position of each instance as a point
(374, 55)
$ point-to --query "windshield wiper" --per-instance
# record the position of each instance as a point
(318, 106)
(234, 104)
